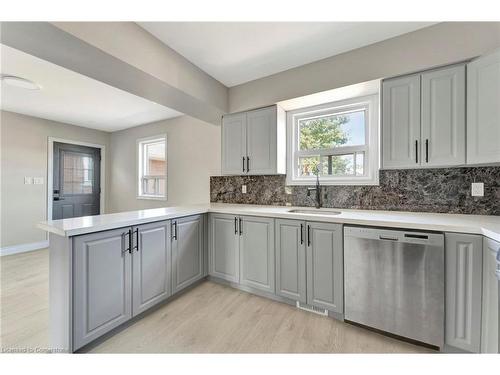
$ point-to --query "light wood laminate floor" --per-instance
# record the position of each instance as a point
(210, 318)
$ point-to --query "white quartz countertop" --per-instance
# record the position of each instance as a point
(488, 226)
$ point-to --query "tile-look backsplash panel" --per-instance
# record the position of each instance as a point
(443, 190)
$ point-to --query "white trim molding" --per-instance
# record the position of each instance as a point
(50, 165)
(23, 248)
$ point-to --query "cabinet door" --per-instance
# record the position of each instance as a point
(224, 252)
(291, 259)
(401, 122)
(325, 266)
(483, 111)
(101, 284)
(187, 251)
(151, 265)
(234, 150)
(261, 141)
(489, 322)
(257, 253)
(443, 117)
(463, 259)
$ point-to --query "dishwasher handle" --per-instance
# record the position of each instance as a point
(388, 238)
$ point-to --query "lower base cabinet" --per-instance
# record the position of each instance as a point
(325, 266)
(309, 263)
(463, 259)
(121, 273)
(102, 284)
(291, 260)
(257, 253)
(187, 252)
(150, 266)
(242, 250)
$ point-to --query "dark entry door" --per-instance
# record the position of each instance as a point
(77, 185)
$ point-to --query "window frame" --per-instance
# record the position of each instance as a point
(371, 157)
(140, 166)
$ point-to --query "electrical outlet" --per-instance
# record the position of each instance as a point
(244, 189)
(477, 189)
(28, 180)
(38, 180)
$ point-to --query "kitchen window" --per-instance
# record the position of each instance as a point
(338, 141)
(152, 167)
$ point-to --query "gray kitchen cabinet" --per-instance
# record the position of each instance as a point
(325, 266)
(423, 119)
(187, 251)
(443, 117)
(401, 122)
(256, 246)
(483, 111)
(151, 265)
(262, 141)
(254, 142)
(234, 148)
(102, 282)
(224, 255)
(463, 259)
(490, 306)
(291, 259)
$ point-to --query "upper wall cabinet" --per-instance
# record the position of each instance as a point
(483, 110)
(254, 142)
(401, 122)
(423, 119)
(443, 117)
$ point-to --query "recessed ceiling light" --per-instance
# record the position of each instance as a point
(20, 82)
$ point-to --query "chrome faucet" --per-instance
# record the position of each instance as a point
(317, 189)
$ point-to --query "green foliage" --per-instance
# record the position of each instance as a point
(325, 132)
(322, 133)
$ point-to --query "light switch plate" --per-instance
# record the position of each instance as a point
(38, 180)
(244, 189)
(477, 189)
(28, 180)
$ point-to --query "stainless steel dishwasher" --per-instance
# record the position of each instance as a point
(394, 282)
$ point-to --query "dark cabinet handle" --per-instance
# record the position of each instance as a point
(301, 234)
(308, 235)
(416, 151)
(426, 150)
(241, 227)
(235, 225)
(130, 241)
(136, 247)
(248, 164)
(174, 231)
(243, 164)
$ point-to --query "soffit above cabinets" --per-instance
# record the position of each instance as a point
(238, 52)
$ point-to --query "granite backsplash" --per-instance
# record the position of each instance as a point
(443, 190)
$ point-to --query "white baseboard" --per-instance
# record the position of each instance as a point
(23, 248)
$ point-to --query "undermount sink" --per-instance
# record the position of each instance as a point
(315, 212)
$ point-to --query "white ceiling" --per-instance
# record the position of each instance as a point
(73, 98)
(238, 52)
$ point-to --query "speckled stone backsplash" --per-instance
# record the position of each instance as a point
(419, 190)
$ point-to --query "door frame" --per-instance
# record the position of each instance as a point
(50, 172)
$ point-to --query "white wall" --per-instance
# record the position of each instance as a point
(436, 45)
(131, 43)
(193, 155)
(24, 153)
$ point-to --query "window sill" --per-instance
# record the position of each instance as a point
(152, 198)
(338, 182)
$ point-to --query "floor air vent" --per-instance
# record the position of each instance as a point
(313, 309)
